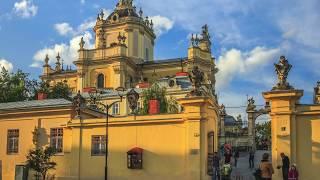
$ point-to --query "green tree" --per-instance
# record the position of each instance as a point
(16, 86)
(39, 158)
(263, 132)
(60, 90)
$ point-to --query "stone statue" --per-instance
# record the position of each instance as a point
(81, 44)
(102, 43)
(133, 98)
(197, 79)
(282, 69)
(46, 60)
(78, 102)
(251, 106)
(222, 110)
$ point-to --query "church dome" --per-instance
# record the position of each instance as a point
(123, 9)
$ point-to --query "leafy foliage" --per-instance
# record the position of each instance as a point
(60, 90)
(154, 92)
(263, 132)
(39, 158)
(16, 86)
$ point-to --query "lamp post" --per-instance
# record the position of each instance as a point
(133, 97)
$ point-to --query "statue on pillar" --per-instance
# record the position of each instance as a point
(81, 44)
(282, 69)
(317, 93)
(251, 106)
(222, 110)
(197, 79)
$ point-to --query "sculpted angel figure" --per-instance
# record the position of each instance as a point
(282, 69)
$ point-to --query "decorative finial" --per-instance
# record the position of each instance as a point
(62, 65)
(58, 57)
(140, 12)
(81, 44)
(282, 69)
(151, 24)
(46, 60)
(119, 38)
(101, 14)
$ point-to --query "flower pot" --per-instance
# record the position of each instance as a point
(42, 96)
(154, 106)
(182, 74)
(89, 89)
(143, 85)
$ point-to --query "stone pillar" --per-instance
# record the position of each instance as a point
(283, 125)
(251, 128)
(199, 114)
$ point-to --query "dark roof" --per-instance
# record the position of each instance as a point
(34, 104)
(123, 13)
(230, 121)
(165, 61)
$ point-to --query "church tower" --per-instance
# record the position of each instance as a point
(123, 40)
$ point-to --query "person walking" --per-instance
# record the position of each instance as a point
(285, 166)
(251, 159)
(216, 167)
(227, 156)
(266, 167)
(293, 173)
(236, 157)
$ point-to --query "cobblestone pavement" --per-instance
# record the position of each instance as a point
(242, 171)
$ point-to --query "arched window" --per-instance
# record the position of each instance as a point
(100, 80)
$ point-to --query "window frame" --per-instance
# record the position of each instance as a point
(115, 109)
(55, 137)
(101, 75)
(99, 140)
(14, 138)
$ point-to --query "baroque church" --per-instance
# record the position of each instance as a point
(115, 142)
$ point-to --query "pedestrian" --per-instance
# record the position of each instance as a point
(236, 157)
(266, 167)
(227, 156)
(251, 159)
(293, 172)
(285, 166)
(226, 172)
(216, 167)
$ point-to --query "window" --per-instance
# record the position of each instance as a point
(100, 80)
(116, 109)
(98, 145)
(13, 141)
(56, 139)
(210, 153)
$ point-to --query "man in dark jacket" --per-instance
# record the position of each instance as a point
(285, 166)
(216, 167)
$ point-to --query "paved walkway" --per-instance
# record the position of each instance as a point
(242, 171)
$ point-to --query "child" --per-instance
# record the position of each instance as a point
(293, 173)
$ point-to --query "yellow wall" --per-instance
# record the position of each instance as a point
(175, 145)
(295, 130)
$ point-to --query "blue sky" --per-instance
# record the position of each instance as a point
(248, 37)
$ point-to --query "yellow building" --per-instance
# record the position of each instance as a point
(295, 127)
(173, 145)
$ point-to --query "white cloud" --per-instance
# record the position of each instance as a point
(6, 64)
(64, 28)
(25, 8)
(161, 24)
(68, 51)
(249, 65)
(304, 27)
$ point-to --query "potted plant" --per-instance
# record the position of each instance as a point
(43, 91)
(154, 100)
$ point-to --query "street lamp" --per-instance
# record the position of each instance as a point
(133, 97)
